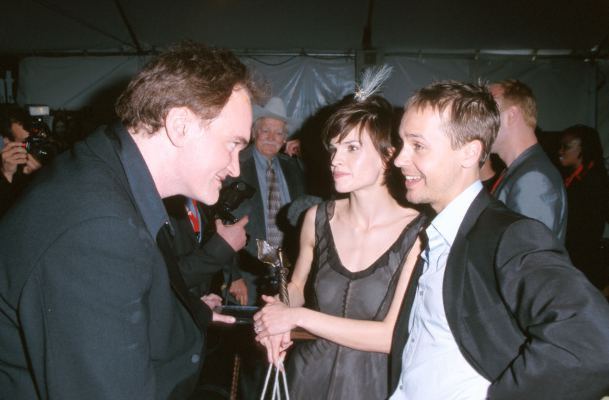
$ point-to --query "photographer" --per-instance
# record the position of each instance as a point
(201, 255)
(18, 165)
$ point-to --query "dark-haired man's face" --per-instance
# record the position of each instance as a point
(213, 152)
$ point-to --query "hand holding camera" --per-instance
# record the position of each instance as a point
(233, 234)
(231, 197)
(31, 165)
(13, 155)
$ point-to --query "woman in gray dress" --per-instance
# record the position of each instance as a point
(358, 253)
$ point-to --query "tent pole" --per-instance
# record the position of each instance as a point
(136, 42)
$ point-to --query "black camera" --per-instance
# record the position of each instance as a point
(231, 197)
(39, 143)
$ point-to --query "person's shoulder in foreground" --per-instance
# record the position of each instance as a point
(513, 305)
(87, 306)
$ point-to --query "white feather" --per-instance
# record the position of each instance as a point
(372, 81)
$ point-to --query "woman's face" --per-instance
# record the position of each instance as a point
(570, 151)
(355, 163)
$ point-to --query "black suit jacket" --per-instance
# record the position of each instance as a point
(87, 309)
(251, 270)
(523, 317)
(198, 262)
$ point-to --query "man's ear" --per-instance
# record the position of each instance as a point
(471, 153)
(512, 112)
(178, 125)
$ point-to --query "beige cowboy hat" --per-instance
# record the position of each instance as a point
(274, 108)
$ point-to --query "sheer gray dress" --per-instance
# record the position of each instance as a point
(320, 369)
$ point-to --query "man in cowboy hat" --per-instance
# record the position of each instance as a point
(278, 180)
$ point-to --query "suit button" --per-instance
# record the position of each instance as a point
(195, 358)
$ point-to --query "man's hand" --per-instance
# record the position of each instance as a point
(238, 289)
(292, 148)
(13, 155)
(31, 165)
(233, 234)
(212, 300)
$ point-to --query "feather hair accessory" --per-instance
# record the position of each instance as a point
(372, 81)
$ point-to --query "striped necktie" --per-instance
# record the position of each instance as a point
(273, 234)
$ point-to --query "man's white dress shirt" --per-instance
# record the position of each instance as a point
(432, 365)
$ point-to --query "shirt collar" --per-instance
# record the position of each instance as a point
(142, 186)
(261, 160)
(447, 222)
(531, 150)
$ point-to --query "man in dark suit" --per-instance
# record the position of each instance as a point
(495, 309)
(202, 255)
(92, 304)
(269, 132)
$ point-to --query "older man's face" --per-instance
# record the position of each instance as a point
(269, 136)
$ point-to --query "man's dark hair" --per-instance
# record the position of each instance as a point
(188, 75)
(469, 112)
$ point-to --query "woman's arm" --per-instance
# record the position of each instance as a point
(277, 318)
(305, 258)
(277, 344)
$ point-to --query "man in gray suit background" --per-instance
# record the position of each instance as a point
(530, 184)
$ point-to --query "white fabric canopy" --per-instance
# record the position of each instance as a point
(565, 89)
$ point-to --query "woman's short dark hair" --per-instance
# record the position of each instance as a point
(187, 75)
(373, 115)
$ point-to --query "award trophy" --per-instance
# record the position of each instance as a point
(275, 257)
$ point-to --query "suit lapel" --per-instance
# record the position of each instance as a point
(456, 264)
(165, 243)
(401, 328)
(256, 211)
(292, 179)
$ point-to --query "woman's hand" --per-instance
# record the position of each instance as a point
(276, 347)
(274, 318)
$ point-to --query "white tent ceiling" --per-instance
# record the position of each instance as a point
(48, 26)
